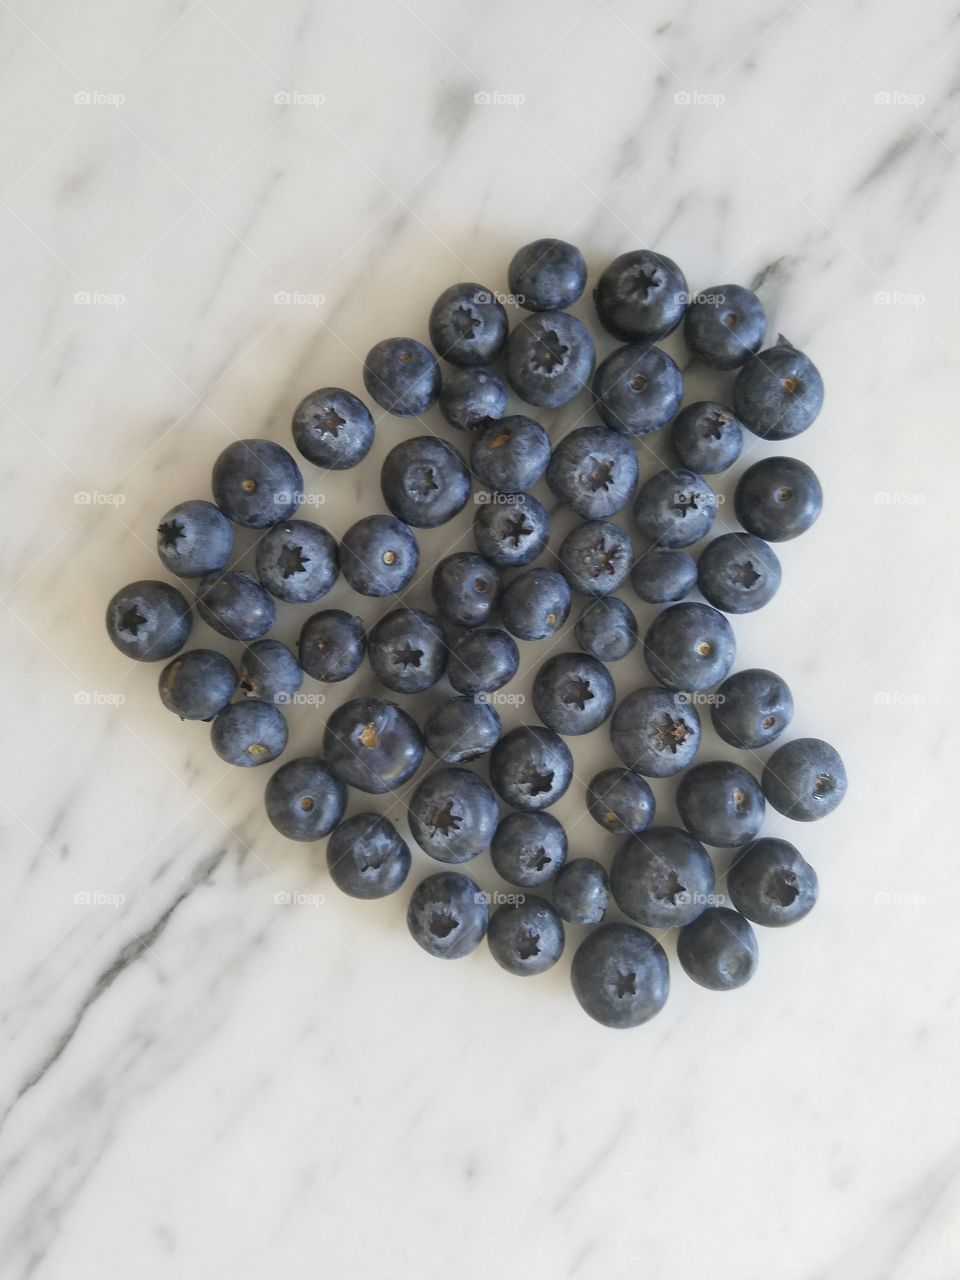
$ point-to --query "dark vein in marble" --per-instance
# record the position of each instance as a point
(890, 158)
(127, 956)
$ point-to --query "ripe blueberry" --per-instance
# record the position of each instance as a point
(656, 733)
(447, 915)
(720, 803)
(373, 745)
(333, 428)
(257, 483)
(304, 800)
(194, 539)
(425, 481)
(249, 733)
(332, 645)
(402, 375)
(149, 621)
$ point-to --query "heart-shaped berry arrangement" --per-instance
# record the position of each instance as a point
(660, 877)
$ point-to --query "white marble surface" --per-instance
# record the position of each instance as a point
(198, 1082)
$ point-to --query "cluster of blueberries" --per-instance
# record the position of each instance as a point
(660, 877)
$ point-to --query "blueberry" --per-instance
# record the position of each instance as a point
(466, 589)
(407, 650)
(528, 849)
(778, 393)
(620, 801)
(149, 621)
(468, 326)
(689, 646)
(573, 693)
(547, 275)
(471, 397)
(674, 508)
(663, 575)
(462, 729)
(549, 359)
(725, 325)
(305, 801)
(510, 529)
(453, 814)
(581, 892)
(752, 708)
(332, 645)
(718, 949)
(447, 915)
(270, 672)
(511, 454)
(606, 629)
(425, 481)
(256, 483)
(198, 684)
(662, 878)
(641, 296)
(778, 498)
(526, 937)
(707, 437)
(249, 733)
(366, 857)
(720, 803)
(373, 745)
(738, 573)
(482, 661)
(333, 428)
(379, 555)
(194, 538)
(594, 471)
(595, 557)
(535, 604)
(531, 768)
(620, 975)
(805, 779)
(235, 605)
(298, 561)
(638, 389)
(655, 732)
(771, 884)
(402, 375)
